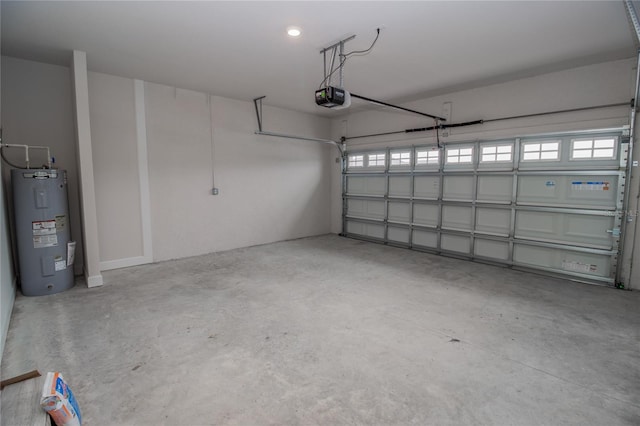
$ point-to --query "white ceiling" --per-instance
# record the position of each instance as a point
(240, 49)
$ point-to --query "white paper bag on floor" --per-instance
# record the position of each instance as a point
(58, 400)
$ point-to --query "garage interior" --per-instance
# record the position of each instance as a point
(455, 244)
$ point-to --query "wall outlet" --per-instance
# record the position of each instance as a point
(215, 191)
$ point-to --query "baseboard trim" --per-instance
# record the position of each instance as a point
(94, 281)
(124, 263)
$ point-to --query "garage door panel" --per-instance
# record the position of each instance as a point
(589, 229)
(495, 188)
(572, 191)
(366, 185)
(399, 235)
(399, 212)
(556, 208)
(565, 228)
(491, 249)
(592, 190)
(455, 243)
(427, 187)
(365, 229)
(425, 238)
(562, 260)
(538, 189)
(400, 186)
(426, 214)
(458, 188)
(456, 217)
(493, 221)
(370, 209)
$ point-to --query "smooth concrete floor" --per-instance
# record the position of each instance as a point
(329, 330)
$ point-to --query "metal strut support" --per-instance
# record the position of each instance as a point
(633, 17)
(631, 11)
(259, 111)
(333, 48)
(257, 102)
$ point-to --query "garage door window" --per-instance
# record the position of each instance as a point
(426, 157)
(376, 160)
(496, 154)
(459, 155)
(356, 161)
(402, 158)
(596, 149)
(541, 151)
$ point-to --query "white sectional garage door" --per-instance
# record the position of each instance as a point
(549, 203)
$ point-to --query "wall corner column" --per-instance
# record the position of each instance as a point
(84, 155)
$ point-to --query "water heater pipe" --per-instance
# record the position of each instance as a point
(26, 151)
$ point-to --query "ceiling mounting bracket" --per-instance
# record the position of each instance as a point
(338, 98)
(257, 103)
(334, 48)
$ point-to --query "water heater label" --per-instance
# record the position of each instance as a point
(44, 234)
(61, 222)
(45, 227)
(61, 265)
(42, 241)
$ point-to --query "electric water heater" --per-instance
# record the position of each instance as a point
(45, 252)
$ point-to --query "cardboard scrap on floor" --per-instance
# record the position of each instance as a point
(21, 378)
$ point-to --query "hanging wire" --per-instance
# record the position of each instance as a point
(343, 59)
(366, 51)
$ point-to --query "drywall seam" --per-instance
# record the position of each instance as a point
(143, 171)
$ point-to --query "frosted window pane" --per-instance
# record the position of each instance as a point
(585, 153)
(603, 153)
(582, 144)
(488, 150)
(604, 143)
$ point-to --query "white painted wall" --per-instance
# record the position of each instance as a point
(37, 110)
(606, 83)
(270, 189)
(7, 274)
(115, 161)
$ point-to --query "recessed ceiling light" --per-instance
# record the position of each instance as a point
(294, 31)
